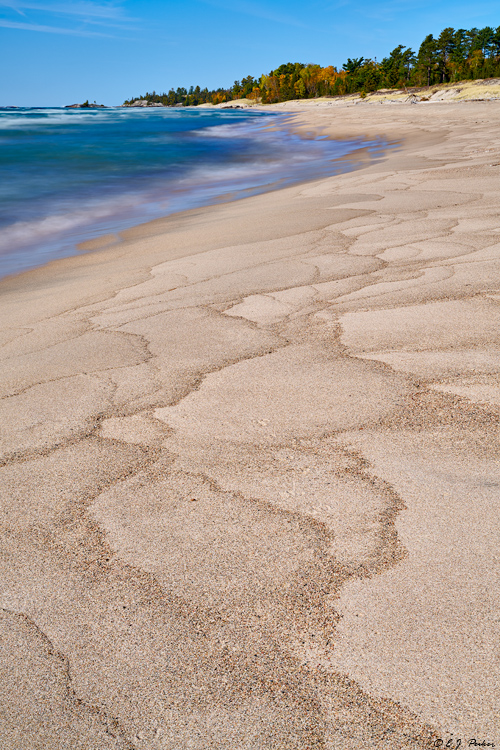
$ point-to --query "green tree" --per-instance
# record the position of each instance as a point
(369, 77)
(427, 57)
(396, 68)
(247, 85)
(485, 41)
(352, 65)
(445, 46)
(495, 50)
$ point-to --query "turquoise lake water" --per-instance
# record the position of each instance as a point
(70, 175)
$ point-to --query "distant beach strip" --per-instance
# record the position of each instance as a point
(70, 175)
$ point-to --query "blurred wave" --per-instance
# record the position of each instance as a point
(70, 175)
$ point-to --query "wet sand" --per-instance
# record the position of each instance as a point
(250, 463)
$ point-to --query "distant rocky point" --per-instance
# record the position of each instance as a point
(143, 103)
(234, 104)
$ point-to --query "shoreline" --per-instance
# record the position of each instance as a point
(265, 155)
(251, 460)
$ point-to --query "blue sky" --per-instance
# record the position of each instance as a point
(57, 52)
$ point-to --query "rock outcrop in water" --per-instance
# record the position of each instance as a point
(85, 105)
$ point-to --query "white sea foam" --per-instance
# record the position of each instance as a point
(239, 129)
(28, 118)
(27, 233)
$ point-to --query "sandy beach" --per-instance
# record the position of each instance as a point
(250, 462)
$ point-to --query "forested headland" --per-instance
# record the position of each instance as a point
(455, 55)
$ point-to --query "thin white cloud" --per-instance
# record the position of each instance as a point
(12, 7)
(82, 8)
(81, 16)
(248, 8)
(48, 29)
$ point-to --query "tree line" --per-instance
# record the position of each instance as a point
(454, 55)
